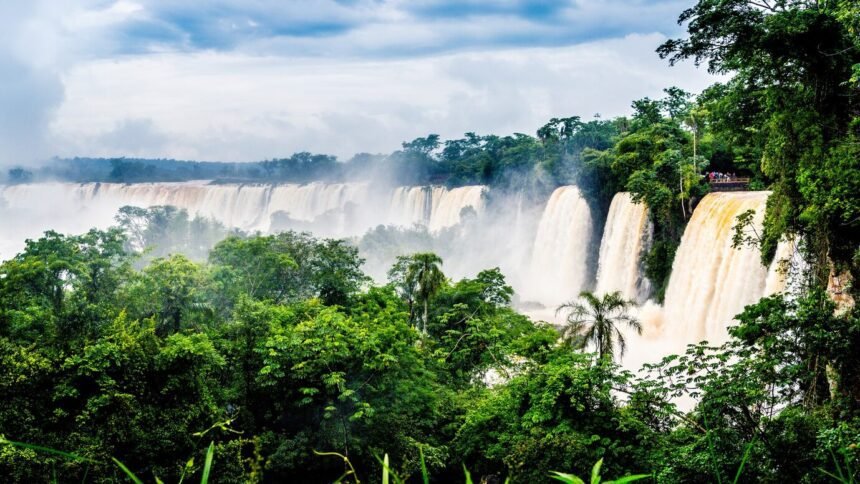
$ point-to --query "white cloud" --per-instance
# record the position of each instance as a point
(30, 88)
(74, 79)
(113, 14)
(221, 106)
(133, 137)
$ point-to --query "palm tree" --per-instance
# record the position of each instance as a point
(427, 278)
(596, 320)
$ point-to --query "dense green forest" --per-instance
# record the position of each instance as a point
(273, 347)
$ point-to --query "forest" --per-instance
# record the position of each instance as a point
(170, 347)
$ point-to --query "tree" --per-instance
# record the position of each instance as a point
(426, 277)
(596, 321)
(170, 292)
(793, 62)
(20, 175)
(289, 266)
(398, 278)
(163, 230)
(337, 271)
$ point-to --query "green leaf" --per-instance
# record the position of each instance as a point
(207, 466)
(595, 472)
(127, 472)
(626, 479)
(425, 476)
(468, 475)
(385, 469)
(743, 462)
(566, 478)
(48, 450)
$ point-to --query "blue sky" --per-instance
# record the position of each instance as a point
(249, 79)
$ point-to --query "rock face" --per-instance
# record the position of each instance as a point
(838, 286)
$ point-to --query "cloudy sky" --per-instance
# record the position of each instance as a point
(243, 80)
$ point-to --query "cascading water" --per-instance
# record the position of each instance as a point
(447, 205)
(328, 209)
(409, 206)
(436, 207)
(626, 236)
(787, 269)
(712, 281)
(559, 263)
(547, 260)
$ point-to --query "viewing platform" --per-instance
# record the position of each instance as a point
(730, 184)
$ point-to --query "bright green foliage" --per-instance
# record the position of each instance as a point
(169, 292)
(115, 349)
(792, 103)
(596, 321)
(771, 394)
(418, 278)
(286, 267)
(560, 414)
(475, 330)
(595, 476)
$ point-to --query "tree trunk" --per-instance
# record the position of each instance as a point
(425, 317)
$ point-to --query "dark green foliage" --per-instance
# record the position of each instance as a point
(286, 267)
(113, 349)
(557, 415)
(792, 104)
(111, 362)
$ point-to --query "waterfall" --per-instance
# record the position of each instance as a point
(711, 281)
(436, 207)
(322, 205)
(626, 237)
(447, 205)
(559, 262)
(327, 209)
(546, 254)
(409, 206)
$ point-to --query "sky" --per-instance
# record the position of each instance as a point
(244, 80)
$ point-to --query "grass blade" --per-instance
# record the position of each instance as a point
(566, 478)
(713, 453)
(47, 450)
(626, 479)
(387, 473)
(86, 472)
(127, 471)
(838, 467)
(468, 475)
(385, 469)
(831, 475)
(207, 466)
(743, 462)
(425, 476)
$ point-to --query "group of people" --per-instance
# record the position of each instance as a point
(715, 176)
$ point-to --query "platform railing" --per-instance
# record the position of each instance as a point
(730, 184)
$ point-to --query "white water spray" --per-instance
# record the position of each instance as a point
(712, 281)
(626, 236)
(558, 270)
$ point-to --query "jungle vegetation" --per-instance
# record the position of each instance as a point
(279, 345)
